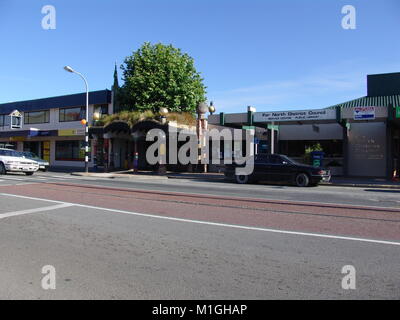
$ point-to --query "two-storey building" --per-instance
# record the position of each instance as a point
(52, 128)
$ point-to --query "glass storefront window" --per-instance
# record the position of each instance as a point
(72, 114)
(73, 150)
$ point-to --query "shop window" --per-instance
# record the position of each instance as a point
(297, 148)
(72, 114)
(37, 117)
(73, 150)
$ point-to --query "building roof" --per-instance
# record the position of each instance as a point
(382, 101)
(72, 100)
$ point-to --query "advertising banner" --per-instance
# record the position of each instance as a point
(364, 113)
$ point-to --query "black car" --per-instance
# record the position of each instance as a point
(279, 168)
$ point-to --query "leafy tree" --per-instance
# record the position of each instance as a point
(160, 76)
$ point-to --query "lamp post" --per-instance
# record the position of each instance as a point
(86, 120)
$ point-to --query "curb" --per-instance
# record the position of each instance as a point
(144, 177)
(116, 175)
(358, 185)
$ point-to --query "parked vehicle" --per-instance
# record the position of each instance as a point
(280, 168)
(43, 164)
(11, 161)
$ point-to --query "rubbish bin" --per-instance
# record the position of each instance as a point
(317, 158)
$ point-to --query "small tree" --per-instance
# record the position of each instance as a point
(160, 76)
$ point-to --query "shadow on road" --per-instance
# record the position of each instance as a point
(380, 190)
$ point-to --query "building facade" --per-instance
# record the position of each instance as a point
(359, 137)
(52, 128)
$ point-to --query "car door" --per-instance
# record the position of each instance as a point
(262, 168)
(280, 170)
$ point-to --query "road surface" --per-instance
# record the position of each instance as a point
(184, 239)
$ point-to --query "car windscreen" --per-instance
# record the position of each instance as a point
(10, 153)
(30, 154)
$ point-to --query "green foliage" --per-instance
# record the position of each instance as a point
(133, 117)
(158, 76)
(309, 149)
(182, 118)
(130, 117)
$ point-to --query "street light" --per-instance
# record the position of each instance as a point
(86, 121)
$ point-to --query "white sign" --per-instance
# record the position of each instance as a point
(364, 113)
(280, 116)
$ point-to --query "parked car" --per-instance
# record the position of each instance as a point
(43, 164)
(11, 161)
(280, 168)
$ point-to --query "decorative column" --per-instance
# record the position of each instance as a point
(201, 128)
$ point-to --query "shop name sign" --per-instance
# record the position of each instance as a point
(321, 114)
(364, 113)
(71, 132)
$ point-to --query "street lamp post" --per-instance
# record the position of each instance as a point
(69, 69)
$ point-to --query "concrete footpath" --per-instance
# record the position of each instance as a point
(335, 181)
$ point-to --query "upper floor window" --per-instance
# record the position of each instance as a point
(37, 117)
(72, 114)
(2, 120)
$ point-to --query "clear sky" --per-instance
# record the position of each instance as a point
(271, 54)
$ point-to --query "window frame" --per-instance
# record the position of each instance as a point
(82, 113)
(46, 113)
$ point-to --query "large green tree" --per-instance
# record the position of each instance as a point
(160, 76)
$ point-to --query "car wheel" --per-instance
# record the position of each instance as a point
(302, 180)
(242, 179)
(2, 169)
(29, 173)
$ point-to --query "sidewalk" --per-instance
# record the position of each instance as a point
(335, 181)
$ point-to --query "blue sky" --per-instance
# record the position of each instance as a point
(271, 54)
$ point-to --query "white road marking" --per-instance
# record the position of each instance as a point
(42, 209)
(217, 224)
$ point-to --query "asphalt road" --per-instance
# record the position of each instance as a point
(183, 239)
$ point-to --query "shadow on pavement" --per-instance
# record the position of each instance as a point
(380, 190)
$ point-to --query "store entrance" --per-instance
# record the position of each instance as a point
(40, 148)
(33, 146)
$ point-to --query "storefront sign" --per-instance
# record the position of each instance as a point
(364, 113)
(71, 132)
(281, 116)
(16, 138)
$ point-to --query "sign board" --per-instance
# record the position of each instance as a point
(71, 132)
(398, 112)
(282, 116)
(364, 113)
